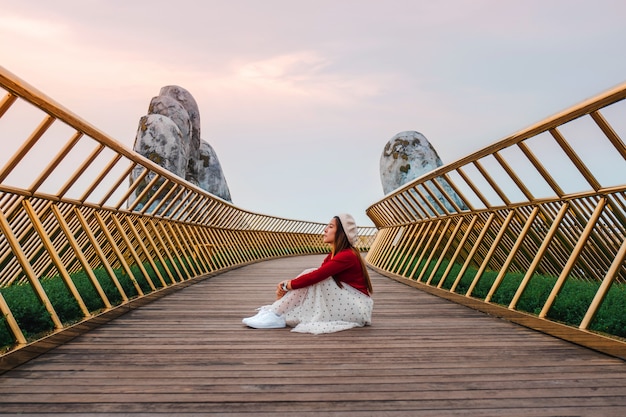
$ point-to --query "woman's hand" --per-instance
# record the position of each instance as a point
(280, 289)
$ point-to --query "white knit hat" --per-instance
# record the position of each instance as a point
(349, 226)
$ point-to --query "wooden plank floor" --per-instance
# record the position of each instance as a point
(189, 355)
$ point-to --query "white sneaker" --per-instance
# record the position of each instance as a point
(265, 319)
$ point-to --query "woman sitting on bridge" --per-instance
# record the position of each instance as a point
(333, 297)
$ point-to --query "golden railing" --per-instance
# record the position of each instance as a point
(69, 213)
(532, 228)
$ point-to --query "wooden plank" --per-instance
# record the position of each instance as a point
(188, 354)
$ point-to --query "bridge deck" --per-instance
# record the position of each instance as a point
(188, 354)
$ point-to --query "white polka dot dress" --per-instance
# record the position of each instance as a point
(324, 308)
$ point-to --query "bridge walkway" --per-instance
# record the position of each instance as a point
(188, 354)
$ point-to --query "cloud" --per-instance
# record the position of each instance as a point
(297, 66)
(30, 28)
(309, 75)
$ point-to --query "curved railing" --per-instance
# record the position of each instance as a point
(532, 228)
(77, 236)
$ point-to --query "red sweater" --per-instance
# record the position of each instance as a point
(344, 267)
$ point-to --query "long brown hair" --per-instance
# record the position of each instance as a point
(341, 242)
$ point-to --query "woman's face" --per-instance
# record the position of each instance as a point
(329, 231)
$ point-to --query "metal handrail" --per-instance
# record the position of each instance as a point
(548, 201)
(69, 209)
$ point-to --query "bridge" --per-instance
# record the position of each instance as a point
(499, 282)
(189, 354)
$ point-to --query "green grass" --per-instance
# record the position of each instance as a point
(570, 305)
(35, 321)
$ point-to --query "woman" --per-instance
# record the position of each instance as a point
(336, 296)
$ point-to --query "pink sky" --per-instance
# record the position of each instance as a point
(299, 98)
